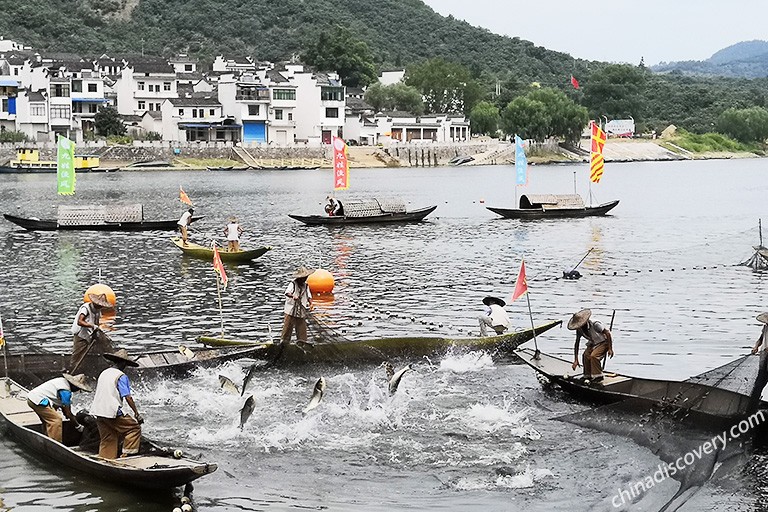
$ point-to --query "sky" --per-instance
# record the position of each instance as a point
(620, 31)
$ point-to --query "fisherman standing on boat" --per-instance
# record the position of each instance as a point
(298, 300)
(112, 388)
(233, 231)
(86, 326)
(56, 394)
(183, 224)
(495, 317)
(599, 342)
(762, 369)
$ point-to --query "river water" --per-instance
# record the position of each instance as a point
(464, 432)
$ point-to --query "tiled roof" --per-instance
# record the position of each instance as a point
(36, 96)
(276, 77)
(158, 67)
(195, 102)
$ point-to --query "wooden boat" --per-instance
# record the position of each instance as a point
(42, 169)
(34, 224)
(378, 350)
(152, 468)
(715, 406)
(550, 206)
(34, 368)
(368, 211)
(227, 168)
(200, 251)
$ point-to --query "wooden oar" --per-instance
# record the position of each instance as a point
(87, 350)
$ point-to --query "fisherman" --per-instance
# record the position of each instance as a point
(334, 208)
(183, 224)
(762, 369)
(599, 343)
(233, 232)
(298, 300)
(495, 317)
(112, 388)
(85, 328)
(57, 394)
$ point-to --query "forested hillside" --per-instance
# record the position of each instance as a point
(748, 59)
(399, 32)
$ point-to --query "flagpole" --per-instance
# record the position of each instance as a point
(5, 358)
(218, 292)
(533, 328)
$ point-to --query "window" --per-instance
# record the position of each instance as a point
(166, 86)
(290, 116)
(60, 112)
(77, 108)
(181, 112)
(15, 71)
(77, 86)
(37, 110)
(140, 85)
(212, 112)
(92, 88)
(5, 105)
(194, 112)
(332, 93)
(151, 106)
(93, 108)
(142, 105)
(157, 106)
(187, 67)
(60, 90)
(278, 114)
(332, 112)
(253, 110)
(284, 94)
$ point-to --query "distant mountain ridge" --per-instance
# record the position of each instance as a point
(747, 59)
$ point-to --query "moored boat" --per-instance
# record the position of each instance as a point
(152, 468)
(372, 211)
(200, 251)
(550, 206)
(377, 350)
(712, 405)
(35, 224)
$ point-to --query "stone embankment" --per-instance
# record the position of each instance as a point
(484, 151)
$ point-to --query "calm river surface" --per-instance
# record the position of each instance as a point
(464, 432)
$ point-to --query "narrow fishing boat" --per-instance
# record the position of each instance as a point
(369, 211)
(550, 206)
(153, 468)
(34, 368)
(96, 218)
(200, 251)
(709, 404)
(381, 349)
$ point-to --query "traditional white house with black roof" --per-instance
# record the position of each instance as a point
(144, 85)
(32, 114)
(197, 119)
(320, 104)
(405, 127)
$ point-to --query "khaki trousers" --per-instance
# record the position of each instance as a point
(50, 418)
(591, 360)
(183, 231)
(289, 324)
(110, 431)
(80, 347)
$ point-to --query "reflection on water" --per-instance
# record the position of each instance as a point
(423, 440)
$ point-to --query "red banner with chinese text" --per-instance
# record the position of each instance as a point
(340, 164)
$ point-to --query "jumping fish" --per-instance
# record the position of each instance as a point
(317, 395)
(228, 386)
(186, 352)
(389, 369)
(247, 410)
(248, 377)
(394, 381)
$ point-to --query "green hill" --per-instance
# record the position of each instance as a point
(748, 59)
(399, 32)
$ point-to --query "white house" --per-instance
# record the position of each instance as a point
(32, 114)
(392, 77)
(197, 119)
(404, 127)
(145, 85)
(320, 105)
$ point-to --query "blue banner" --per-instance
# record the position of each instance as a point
(521, 162)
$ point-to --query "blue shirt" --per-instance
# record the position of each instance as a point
(124, 388)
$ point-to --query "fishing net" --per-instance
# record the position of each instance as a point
(320, 332)
(675, 419)
(759, 260)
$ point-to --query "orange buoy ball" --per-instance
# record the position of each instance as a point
(321, 281)
(98, 289)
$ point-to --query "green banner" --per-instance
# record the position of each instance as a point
(65, 166)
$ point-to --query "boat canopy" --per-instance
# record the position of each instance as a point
(372, 207)
(99, 214)
(550, 201)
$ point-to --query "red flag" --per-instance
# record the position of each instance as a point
(521, 285)
(218, 266)
(574, 82)
(184, 197)
(340, 164)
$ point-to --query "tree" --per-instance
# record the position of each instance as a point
(485, 118)
(544, 113)
(616, 91)
(339, 51)
(744, 125)
(394, 97)
(107, 122)
(446, 87)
